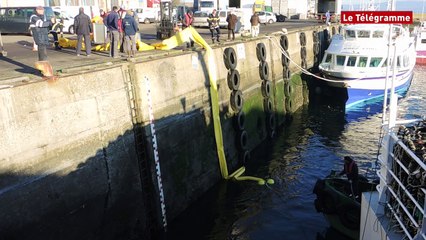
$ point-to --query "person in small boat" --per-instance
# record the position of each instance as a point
(351, 170)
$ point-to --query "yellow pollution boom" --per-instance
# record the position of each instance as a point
(180, 38)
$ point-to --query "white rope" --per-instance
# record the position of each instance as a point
(155, 149)
(275, 41)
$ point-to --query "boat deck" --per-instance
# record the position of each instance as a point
(374, 225)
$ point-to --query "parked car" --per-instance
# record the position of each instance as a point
(266, 17)
(67, 21)
(200, 19)
(280, 17)
(147, 15)
(17, 19)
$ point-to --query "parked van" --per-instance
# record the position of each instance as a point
(147, 15)
(17, 19)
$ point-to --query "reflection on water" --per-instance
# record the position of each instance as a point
(312, 145)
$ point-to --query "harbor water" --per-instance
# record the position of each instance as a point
(311, 145)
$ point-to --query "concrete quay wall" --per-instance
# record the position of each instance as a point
(73, 151)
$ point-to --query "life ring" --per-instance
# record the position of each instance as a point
(304, 63)
(349, 215)
(303, 53)
(267, 105)
(302, 38)
(261, 52)
(233, 79)
(266, 88)
(315, 36)
(316, 48)
(286, 73)
(242, 140)
(284, 42)
(264, 70)
(240, 119)
(285, 61)
(237, 100)
(230, 58)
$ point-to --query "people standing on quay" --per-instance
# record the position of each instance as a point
(39, 26)
(112, 25)
(213, 21)
(130, 28)
(83, 28)
(255, 22)
(187, 22)
(327, 17)
(232, 21)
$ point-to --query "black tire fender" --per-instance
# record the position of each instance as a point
(245, 157)
(261, 51)
(266, 88)
(240, 119)
(286, 73)
(267, 105)
(304, 64)
(303, 53)
(288, 89)
(288, 104)
(233, 79)
(316, 48)
(284, 60)
(302, 37)
(315, 36)
(264, 70)
(242, 140)
(284, 42)
(237, 100)
(230, 58)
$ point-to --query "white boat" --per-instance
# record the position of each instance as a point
(421, 43)
(357, 61)
(397, 209)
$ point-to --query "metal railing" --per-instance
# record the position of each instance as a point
(405, 201)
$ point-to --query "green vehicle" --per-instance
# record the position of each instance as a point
(17, 19)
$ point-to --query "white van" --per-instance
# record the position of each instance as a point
(148, 15)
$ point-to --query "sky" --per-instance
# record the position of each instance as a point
(401, 5)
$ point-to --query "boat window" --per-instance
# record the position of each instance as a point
(375, 61)
(406, 60)
(351, 61)
(363, 33)
(398, 62)
(362, 61)
(340, 60)
(385, 63)
(378, 34)
(423, 40)
(328, 58)
(350, 33)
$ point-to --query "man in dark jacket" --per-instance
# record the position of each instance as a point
(213, 21)
(83, 28)
(112, 25)
(351, 170)
(130, 27)
(232, 21)
(40, 29)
